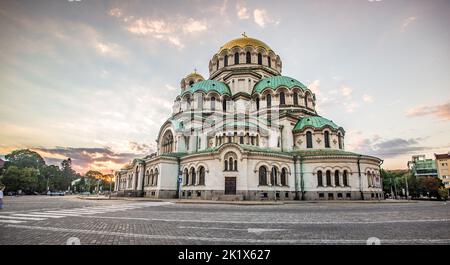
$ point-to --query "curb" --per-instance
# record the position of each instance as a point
(249, 203)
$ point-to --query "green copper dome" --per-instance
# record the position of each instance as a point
(315, 122)
(207, 86)
(274, 82)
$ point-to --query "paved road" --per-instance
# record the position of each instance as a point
(55, 220)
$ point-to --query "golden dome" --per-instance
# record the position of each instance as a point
(244, 41)
(194, 75)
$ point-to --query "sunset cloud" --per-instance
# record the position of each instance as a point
(441, 111)
(85, 159)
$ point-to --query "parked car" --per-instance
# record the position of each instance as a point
(55, 193)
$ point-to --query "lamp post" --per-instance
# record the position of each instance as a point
(407, 190)
(110, 183)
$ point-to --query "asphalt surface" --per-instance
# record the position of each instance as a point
(67, 219)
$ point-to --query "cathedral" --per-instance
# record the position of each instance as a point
(249, 133)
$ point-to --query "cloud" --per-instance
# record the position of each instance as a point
(386, 148)
(115, 12)
(109, 49)
(171, 30)
(147, 26)
(346, 91)
(367, 98)
(242, 12)
(171, 88)
(84, 159)
(408, 21)
(193, 25)
(441, 111)
(262, 19)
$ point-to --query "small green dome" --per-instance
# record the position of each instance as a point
(274, 82)
(207, 86)
(315, 122)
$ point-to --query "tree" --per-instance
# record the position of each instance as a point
(25, 179)
(24, 158)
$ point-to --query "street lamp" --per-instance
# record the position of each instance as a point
(110, 183)
(407, 191)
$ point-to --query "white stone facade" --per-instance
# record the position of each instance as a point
(249, 133)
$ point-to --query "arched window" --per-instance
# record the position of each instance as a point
(213, 103)
(201, 179)
(327, 139)
(345, 178)
(309, 143)
(283, 177)
(236, 58)
(282, 98)
(340, 141)
(224, 105)
(262, 175)
(269, 100)
(336, 178)
(369, 179)
(186, 177)
(257, 103)
(273, 176)
(319, 178)
(200, 101)
(225, 61)
(167, 142)
(226, 165)
(191, 82)
(259, 58)
(269, 61)
(155, 177)
(295, 99)
(146, 179)
(235, 165)
(193, 177)
(248, 58)
(306, 100)
(230, 163)
(217, 65)
(328, 176)
(151, 178)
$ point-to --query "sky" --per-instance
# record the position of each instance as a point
(95, 80)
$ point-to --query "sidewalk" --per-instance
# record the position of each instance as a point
(189, 201)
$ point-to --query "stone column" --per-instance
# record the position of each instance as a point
(116, 182)
(140, 177)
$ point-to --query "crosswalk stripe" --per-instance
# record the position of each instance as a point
(37, 215)
(62, 213)
(21, 218)
(47, 214)
(11, 221)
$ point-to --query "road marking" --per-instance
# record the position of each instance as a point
(37, 215)
(21, 218)
(62, 213)
(233, 240)
(11, 221)
(43, 214)
(249, 230)
(268, 222)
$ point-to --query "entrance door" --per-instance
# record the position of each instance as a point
(230, 185)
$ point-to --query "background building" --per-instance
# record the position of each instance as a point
(422, 167)
(443, 168)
